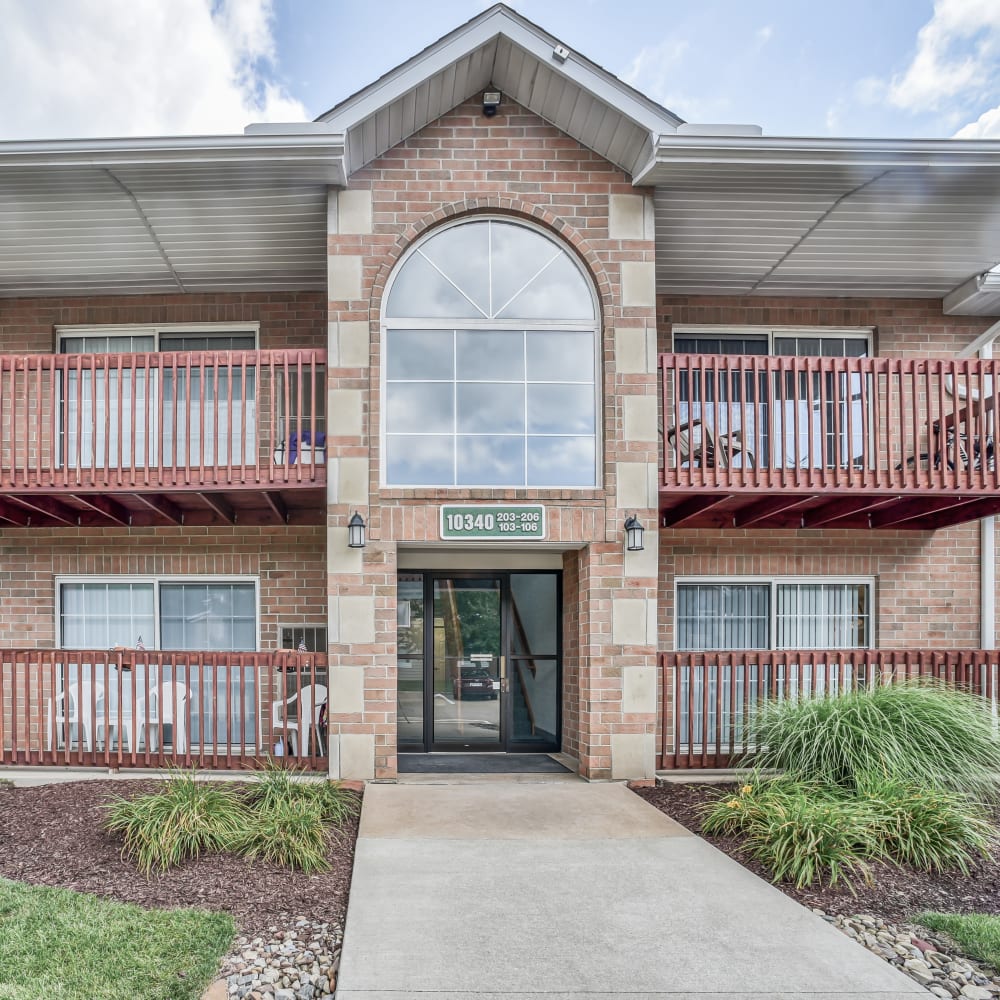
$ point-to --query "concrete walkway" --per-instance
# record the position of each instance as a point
(563, 890)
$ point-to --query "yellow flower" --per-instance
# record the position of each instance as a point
(746, 789)
(733, 803)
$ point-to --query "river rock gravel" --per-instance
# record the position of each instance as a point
(926, 957)
(299, 962)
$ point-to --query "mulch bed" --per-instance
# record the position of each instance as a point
(52, 835)
(896, 894)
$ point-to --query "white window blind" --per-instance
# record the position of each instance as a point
(780, 614)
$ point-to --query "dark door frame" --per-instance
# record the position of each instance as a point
(505, 744)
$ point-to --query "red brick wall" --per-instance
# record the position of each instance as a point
(287, 319)
(903, 327)
(290, 562)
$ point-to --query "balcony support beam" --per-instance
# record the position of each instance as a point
(162, 506)
(973, 510)
(764, 510)
(277, 505)
(843, 507)
(13, 514)
(688, 509)
(922, 509)
(111, 509)
(50, 507)
(221, 507)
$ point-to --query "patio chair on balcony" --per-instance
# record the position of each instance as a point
(166, 708)
(80, 705)
(694, 443)
(302, 448)
(297, 729)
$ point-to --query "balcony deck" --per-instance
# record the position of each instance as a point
(787, 442)
(147, 708)
(708, 697)
(193, 438)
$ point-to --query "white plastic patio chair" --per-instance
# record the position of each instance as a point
(310, 700)
(166, 708)
(66, 710)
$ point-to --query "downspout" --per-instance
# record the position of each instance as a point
(987, 565)
(983, 345)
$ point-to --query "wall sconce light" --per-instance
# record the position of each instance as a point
(356, 531)
(633, 534)
(491, 101)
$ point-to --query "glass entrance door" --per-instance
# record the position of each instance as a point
(468, 663)
(478, 661)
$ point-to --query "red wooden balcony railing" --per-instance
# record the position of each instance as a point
(177, 420)
(708, 697)
(819, 426)
(145, 708)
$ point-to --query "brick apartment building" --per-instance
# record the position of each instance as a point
(354, 413)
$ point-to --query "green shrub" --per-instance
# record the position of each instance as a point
(919, 733)
(277, 786)
(288, 832)
(928, 828)
(183, 819)
(803, 833)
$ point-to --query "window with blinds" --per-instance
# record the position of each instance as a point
(775, 614)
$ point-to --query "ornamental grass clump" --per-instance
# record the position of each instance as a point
(923, 734)
(930, 829)
(291, 833)
(278, 785)
(182, 820)
(802, 833)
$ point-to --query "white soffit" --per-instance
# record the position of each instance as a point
(835, 217)
(88, 217)
(503, 50)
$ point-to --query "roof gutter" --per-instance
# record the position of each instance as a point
(961, 301)
(320, 151)
(741, 150)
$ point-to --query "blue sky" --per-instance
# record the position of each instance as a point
(922, 68)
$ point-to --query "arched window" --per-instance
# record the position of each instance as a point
(490, 333)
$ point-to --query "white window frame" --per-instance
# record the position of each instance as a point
(444, 323)
(866, 333)
(154, 330)
(156, 581)
(773, 583)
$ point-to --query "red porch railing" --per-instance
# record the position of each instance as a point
(709, 697)
(818, 424)
(139, 708)
(175, 420)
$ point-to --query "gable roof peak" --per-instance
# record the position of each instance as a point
(501, 48)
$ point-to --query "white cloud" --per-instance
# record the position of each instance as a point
(956, 57)
(986, 126)
(764, 35)
(138, 67)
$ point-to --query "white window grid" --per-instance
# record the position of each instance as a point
(445, 324)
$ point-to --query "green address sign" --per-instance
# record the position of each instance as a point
(484, 521)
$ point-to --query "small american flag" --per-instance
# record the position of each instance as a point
(139, 643)
(302, 646)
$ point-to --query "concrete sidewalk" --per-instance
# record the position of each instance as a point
(569, 890)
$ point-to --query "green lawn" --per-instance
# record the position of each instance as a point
(977, 934)
(68, 946)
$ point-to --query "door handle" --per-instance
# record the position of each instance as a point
(503, 674)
